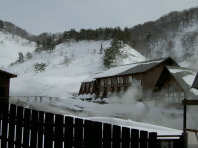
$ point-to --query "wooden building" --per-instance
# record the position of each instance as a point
(195, 83)
(5, 85)
(157, 79)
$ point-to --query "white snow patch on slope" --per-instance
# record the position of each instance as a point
(10, 46)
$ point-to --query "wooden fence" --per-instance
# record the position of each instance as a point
(43, 99)
(24, 128)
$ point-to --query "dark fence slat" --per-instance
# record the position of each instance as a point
(26, 131)
(68, 133)
(40, 129)
(97, 134)
(78, 133)
(143, 139)
(58, 143)
(34, 129)
(134, 138)
(48, 142)
(88, 134)
(107, 135)
(116, 136)
(12, 126)
(19, 124)
(152, 140)
(4, 113)
(125, 137)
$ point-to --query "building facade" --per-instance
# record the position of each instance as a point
(160, 79)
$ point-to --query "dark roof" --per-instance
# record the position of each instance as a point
(132, 68)
(8, 74)
(195, 83)
(147, 65)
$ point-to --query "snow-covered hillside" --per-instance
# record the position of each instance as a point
(67, 66)
(10, 46)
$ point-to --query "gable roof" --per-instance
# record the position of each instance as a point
(8, 74)
(130, 69)
(184, 76)
(195, 83)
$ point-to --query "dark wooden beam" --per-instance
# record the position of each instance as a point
(190, 102)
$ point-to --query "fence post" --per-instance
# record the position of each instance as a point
(26, 131)
(97, 133)
(4, 117)
(40, 99)
(48, 141)
(134, 138)
(125, 137)
(68, 133)
(58, 142)
(107, 135)
(19, 126)
(12, 126)
(143, 139)
(34, 129)
(78, 133)
(152, 140)
(40, 129)
(88, 134)
(116, 136)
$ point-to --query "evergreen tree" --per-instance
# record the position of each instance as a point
(1, 25)
(112, 55)
(49, 44)
(38, 47)
(101, 49)
(21, 57)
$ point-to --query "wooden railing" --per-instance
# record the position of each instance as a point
(45, 99)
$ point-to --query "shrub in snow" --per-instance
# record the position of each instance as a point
(67, 60)
(39, 67)
(28, 56)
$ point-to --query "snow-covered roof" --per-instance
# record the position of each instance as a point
(185, 77)
(127, 69)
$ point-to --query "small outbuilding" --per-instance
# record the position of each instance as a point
(5, 85)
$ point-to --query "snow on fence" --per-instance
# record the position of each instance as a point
(25, 128)
(44, 99)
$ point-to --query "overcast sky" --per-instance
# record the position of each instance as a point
(38, 16)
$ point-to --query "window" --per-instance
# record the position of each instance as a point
(87, 87)
(91, 87)
(102, 82)
(108, 81)
(130, 79)
(101, 92)
(108, 93)
(120, 80)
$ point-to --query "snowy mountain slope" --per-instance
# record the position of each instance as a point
(68, 65)
(10, 46)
